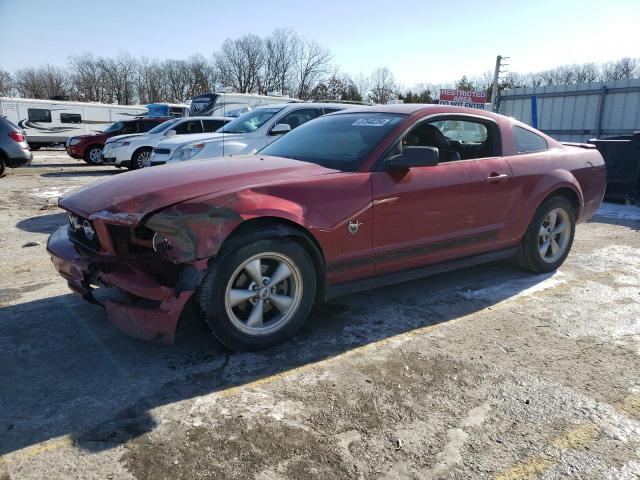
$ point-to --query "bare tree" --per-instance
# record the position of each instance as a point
(362, 83)
(6, 83)
(240, 61)
(120, 74)
(586, 73)
(280, 59)
(42, 82)
(150, 83)
(312, 63)
(87, 79)
(203, 75)
(383, 85)
(622, 69)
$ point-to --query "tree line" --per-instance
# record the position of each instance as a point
(282, 62)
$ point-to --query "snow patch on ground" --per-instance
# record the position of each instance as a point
(521, 287)
(451, 454)
(53, 193)
(619, 294)
(623, 259)
(618, 212)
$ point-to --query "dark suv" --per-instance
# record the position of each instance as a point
(14, 150)
(89, 147)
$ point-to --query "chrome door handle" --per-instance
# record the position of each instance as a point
(494, 177)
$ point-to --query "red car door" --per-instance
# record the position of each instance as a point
(432, 214)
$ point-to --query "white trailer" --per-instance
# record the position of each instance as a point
(48, 122)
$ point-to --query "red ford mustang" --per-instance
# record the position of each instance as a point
(354, 200)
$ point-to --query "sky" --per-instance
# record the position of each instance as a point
(419, 40)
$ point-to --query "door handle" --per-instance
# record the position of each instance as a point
(497, 177)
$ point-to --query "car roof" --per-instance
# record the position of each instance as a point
(204, 117)
(411, 108)
(296, 105)
(138, 119)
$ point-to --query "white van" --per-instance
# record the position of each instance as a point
(47, 122)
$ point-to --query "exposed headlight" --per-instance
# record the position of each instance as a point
(118, 144)
(89, 232)
(161, 243)
(74, 141)
(186, 152)
(74, 222)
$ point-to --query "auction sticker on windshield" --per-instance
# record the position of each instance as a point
(371, 122)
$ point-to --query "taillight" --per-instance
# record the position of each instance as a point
(17, 136)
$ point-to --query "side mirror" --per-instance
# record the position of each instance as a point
(280, 129)
(414, 157)
(170, 133)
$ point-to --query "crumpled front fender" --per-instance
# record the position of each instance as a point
(194, 230)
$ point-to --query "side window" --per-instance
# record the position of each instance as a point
(298, 117)
(458, 139)
(527, 141)
(39, 115)
(463, 131)
(212, 125)
(130, 127)
(191, 126)
(70, 118)
(330, 110)
(147, 125)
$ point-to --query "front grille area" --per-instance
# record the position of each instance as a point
(80, 229)
(162, 151)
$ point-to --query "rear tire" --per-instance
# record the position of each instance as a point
(549, 238)
(259, 295)
(93, 155)
(140, 159)
(3, 166)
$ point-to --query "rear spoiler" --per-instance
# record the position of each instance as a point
(579, 145)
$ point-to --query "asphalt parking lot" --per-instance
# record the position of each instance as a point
(488, 372)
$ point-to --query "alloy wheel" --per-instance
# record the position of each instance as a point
(95, 155)
(554, 235)
(263, 294)
(144, 159)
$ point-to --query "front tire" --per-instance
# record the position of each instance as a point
(93, 155)
(260, 294)
(549, 238)
(141, 159)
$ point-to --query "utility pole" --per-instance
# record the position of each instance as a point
(494, 90)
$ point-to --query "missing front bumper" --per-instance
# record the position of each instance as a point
(80, 268)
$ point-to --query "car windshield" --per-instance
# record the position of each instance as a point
(340, 141)
(163, 126)
(250, 121)
(115, 127)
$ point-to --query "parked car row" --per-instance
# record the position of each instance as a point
(89, 147)
(357, 199)
(57, 121)
(246, 134)
(134, 150)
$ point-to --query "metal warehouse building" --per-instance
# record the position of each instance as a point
(575, 113)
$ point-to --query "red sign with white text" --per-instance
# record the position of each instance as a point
(463, 98)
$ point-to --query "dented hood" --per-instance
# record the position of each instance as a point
(132, 195)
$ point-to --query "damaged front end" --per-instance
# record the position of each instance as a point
(157, 261)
